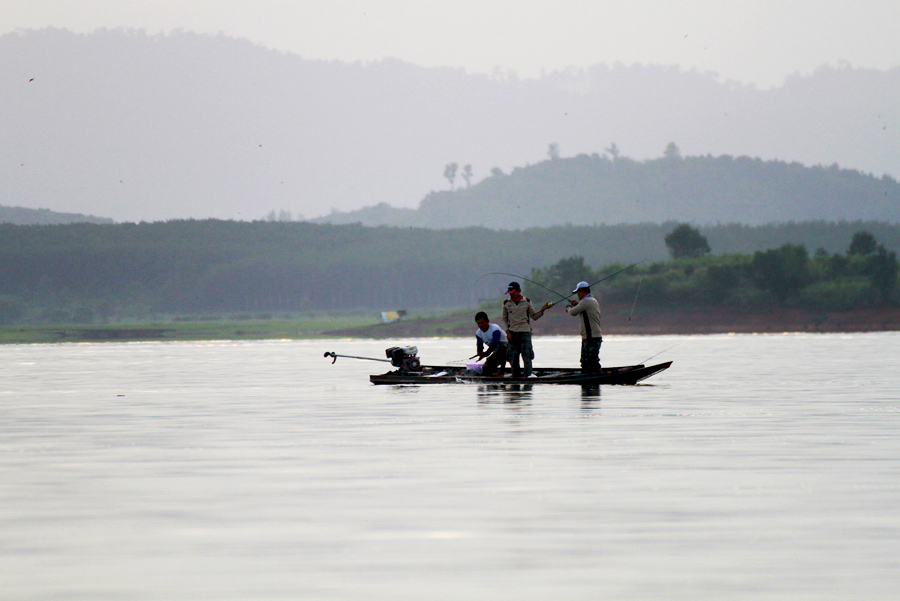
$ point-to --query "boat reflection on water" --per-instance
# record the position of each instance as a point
(590, 399)
(514, 394)
(590, 394)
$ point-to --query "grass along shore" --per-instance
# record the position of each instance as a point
(617, 320)
(210, 329)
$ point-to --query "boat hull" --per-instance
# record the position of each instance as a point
(444, 374)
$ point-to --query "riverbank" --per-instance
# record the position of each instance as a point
(617, 320)
(260, 329)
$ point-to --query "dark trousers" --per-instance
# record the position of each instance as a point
(590, 355)
(520, 344)
(496, 360)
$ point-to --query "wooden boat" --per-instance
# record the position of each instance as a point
(451, 374)
(411, 371)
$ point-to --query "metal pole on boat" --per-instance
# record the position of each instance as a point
(335, 356)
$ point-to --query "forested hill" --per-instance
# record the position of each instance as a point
(602, 190)
(23, 216)
(86, 273)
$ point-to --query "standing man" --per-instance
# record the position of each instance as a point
(494, 337)
(518, 312)
(589, 310)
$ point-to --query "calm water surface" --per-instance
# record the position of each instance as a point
(758, 467)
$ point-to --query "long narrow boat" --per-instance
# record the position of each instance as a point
(449, 374)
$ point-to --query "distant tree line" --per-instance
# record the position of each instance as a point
(90, 273)
(865, 275)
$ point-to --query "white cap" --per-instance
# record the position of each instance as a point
(581, 285)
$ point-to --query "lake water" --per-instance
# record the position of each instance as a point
(757, 467)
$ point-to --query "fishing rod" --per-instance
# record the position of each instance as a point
(335, 357)
(554, 291)
(523, 278)
(601, 280)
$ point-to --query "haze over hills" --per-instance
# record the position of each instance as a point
(152, 127)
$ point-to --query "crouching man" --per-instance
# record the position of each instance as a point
(492, 345)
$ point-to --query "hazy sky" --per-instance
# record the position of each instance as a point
(753, 41)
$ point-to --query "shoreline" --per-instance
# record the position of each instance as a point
(617, 320)
(787, 320)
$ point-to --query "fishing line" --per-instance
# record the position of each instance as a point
(460, 362)
(659, 353)
(635, 297)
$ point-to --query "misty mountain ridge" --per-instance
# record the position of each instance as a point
(155, 127)
(595, 190)
(23, 216)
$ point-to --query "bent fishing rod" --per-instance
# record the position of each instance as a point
(563, 298)
(524, 279)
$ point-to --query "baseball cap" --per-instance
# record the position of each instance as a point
(581, 285)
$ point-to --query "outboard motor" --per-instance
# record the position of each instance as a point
(404, 357)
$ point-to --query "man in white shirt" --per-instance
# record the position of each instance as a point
(492, 343)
